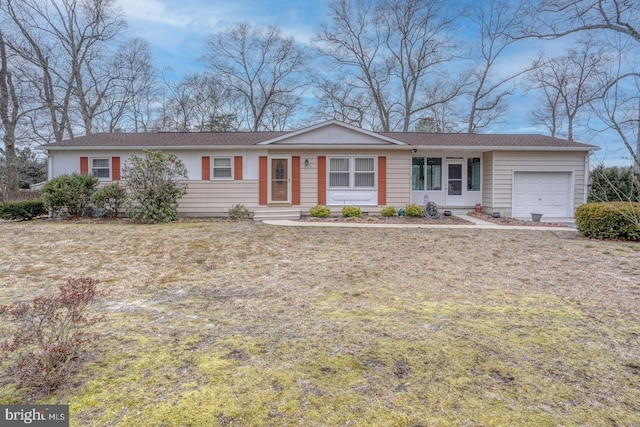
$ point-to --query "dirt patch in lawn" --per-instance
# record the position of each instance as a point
(237, 323)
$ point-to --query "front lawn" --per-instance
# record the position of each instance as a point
(242, 324)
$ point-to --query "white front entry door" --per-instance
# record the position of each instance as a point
(454, 184)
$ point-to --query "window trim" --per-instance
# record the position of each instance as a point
(352, 172)
(231, 168)
(108, 168)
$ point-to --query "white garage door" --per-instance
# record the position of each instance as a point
(548, 193)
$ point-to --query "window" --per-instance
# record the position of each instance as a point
(434, 173)
(222, 168)
(101, 168)
(365, 172)
(473, 174)
(352, 172)
(417, 173)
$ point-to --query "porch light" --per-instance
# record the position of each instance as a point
(306, 162)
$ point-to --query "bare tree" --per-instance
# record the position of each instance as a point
(388, 52)
(68, 42)
(571, 83)
(199, 102)
(261, 66)
(10, 112)
(133, 92)
(497, 21)
(614, 19)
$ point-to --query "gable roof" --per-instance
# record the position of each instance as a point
(185, 140)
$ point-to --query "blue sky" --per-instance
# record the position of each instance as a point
(177, 29)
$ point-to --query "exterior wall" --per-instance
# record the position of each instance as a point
(468, 199)
(487, 181)
(508, 162)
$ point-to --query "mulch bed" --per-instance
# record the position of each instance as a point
(505, 220)
(374, 219)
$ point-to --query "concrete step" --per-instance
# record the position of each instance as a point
(279, 213)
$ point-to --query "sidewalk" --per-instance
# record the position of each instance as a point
(477, 224)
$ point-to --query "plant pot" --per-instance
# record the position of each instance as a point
(536, 217)
(400, 212)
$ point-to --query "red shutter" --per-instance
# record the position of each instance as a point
(84, 166)
(262, 181)
(322, 180)
(237, 168)
(206, 168)
(295, 180)
(115, 168)
(382, 180)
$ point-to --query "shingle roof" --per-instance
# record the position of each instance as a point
(167, 139)
(482, 140)
(221, 139)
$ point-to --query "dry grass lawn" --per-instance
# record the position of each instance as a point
(242, 324)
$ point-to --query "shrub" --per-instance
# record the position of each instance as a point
(351, 212)
(413, 210)
(389, 211)
(614, 184)
(616, 220)
(22, 210)
(69, 194)
(153, 187)
(238, 211)
(110, 197)
(49, 333)
(320, 211)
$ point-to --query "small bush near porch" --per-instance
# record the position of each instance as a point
(235, 323)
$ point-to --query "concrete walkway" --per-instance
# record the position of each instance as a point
(477, 224)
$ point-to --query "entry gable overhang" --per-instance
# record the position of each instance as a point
(333, 133)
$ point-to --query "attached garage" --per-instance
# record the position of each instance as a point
(548, 193)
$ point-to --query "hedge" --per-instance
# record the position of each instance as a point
(22, 210)
(615, 220)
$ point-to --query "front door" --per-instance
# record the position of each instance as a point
(279, 180)
(454, 184)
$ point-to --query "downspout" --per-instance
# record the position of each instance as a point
(586, 177)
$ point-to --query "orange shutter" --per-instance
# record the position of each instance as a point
(295, 180)
(322, 180)
(262, 181)
(115, 168)
(84, 166)
(237, 168)
(206, 168)
(382, 180)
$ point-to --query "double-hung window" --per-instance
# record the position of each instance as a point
(352, 172)
(101, 168)
(222, 167)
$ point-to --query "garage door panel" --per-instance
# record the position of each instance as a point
(548, 193)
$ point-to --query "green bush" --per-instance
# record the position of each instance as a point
(389, 211)
(413, 210)
(110, 198)
(238, 211)
(320, 211)
(616, 220)
(154, 185)
(22, 210)
(69, 194)
(351, 212)
(614, 184)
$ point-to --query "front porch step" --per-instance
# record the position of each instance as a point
(280, 213)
